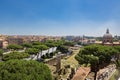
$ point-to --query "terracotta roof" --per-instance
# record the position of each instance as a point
(81, 73)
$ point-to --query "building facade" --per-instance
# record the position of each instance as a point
(108, 40)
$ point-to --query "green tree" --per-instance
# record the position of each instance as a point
(24, 70)
(62, 49)
(97, 56)
(51, 45)
(14, 47)
(27, 45)
(117, 55)
(14, 55)
(40, 48)
(31, 50)
(60, 42)
(69, 43)
(36, 43)
(1, 52)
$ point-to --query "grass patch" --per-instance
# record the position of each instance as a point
(115, 75)
(71, 60)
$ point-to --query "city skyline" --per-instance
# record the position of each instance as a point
(59, 17)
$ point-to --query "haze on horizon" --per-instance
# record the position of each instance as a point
(59, 17)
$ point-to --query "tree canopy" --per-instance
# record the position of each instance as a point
(50, 44)
(1, 52)
(40, 47)
(24, 70)
(14, 47)
(117, 56)
(103, 53)
(97, 56)
(36, 43)
(62, 49)
(31, 50)
(15, 55)
(69, 43)
(27, 45)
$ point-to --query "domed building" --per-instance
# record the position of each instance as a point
(107, 38)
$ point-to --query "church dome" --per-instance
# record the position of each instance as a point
(107, 38)
(107, 35)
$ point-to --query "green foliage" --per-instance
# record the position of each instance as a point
(50, 44)
(79, 43)
(117, 63)
(117, 48)
(24, 70)
(58, 43)
(89, 59)
(117, 56)
(96, 55)
(1, 52)
(14, 47)
(27, 45)
(115, 75)
(62, 49)
(15, 55)
(36, 43)
(69, 43)
(36, 48)
(40, 47)
(31, 50)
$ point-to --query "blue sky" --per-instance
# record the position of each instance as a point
(59, 17)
